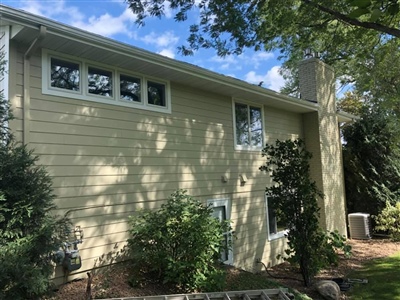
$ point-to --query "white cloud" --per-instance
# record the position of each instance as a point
(166, 39)
(274, 80)
(226, 59)
(105, 24)
(271, 80)
(237, 62)
(51, 11)
(168, 53)
(258, 57)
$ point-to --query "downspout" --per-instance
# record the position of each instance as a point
(26, 94)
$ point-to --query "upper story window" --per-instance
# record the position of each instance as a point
(155, 93)
(99, 82)
(64, 74)
(67, 76)
(248, 126)
(130, 88)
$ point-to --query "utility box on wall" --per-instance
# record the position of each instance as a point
(360, 226)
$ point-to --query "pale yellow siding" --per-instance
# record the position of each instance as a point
(107, 162)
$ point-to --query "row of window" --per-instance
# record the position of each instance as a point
(69, 77)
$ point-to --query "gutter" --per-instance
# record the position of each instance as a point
(23, 18)
(26, 84)
(346, 117)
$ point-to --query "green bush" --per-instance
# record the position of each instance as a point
(389, 220)
(28, 230)
(178, 244)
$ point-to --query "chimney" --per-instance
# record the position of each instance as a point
(322, 139)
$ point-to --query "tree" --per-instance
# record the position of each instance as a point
(351, 103)
(29, 232)
(347, 34)
(372, 160)
(294, 197)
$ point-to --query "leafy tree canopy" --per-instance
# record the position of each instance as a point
(354, 36)
(372, 160)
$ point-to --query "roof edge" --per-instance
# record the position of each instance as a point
(24, 18)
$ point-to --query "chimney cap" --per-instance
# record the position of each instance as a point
(309, 54)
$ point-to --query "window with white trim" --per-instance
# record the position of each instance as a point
(65, 74)
(248, 126)
(71, 77)
(275, 228)
(130, 88)
(222, 211)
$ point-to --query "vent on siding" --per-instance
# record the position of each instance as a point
(360, 227)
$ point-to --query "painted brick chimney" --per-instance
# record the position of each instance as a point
(322, 138)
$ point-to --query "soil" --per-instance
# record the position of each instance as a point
(113, 282)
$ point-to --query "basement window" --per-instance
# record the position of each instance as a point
(276, 228)
(221, 209)
(71, 77)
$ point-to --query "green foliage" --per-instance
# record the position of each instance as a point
(359, 38)
(372, 161)
(389, 220)
(178, 244)
(28, 230)
(350, 103)
(294, 199)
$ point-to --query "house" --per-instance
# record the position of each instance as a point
(119, 129)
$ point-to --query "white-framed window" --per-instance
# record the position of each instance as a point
(248, 125)
(222, 211)
(275, 228)
(67, 76)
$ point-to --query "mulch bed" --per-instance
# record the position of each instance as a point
(114, 281)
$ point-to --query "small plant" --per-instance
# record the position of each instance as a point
(178, 244)
(294, 200)
(389, 220)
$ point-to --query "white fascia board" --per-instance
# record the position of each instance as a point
(346, 117)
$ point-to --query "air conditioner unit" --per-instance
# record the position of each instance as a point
(360, 226)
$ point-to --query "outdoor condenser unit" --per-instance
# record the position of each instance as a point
(360, 226)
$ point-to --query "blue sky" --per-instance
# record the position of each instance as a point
(113, 19)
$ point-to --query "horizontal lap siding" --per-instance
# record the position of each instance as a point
(107, 162)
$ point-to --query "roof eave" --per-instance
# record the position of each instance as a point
(20, 17)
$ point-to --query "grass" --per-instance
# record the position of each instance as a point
(383, 279)
(249, 281)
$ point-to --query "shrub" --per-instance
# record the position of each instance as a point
(28, 230)
(389, 220)
(294, 200)
(178, 244)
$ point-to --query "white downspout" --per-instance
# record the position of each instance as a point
(27, 73)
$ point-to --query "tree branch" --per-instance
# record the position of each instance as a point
(369, 25)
